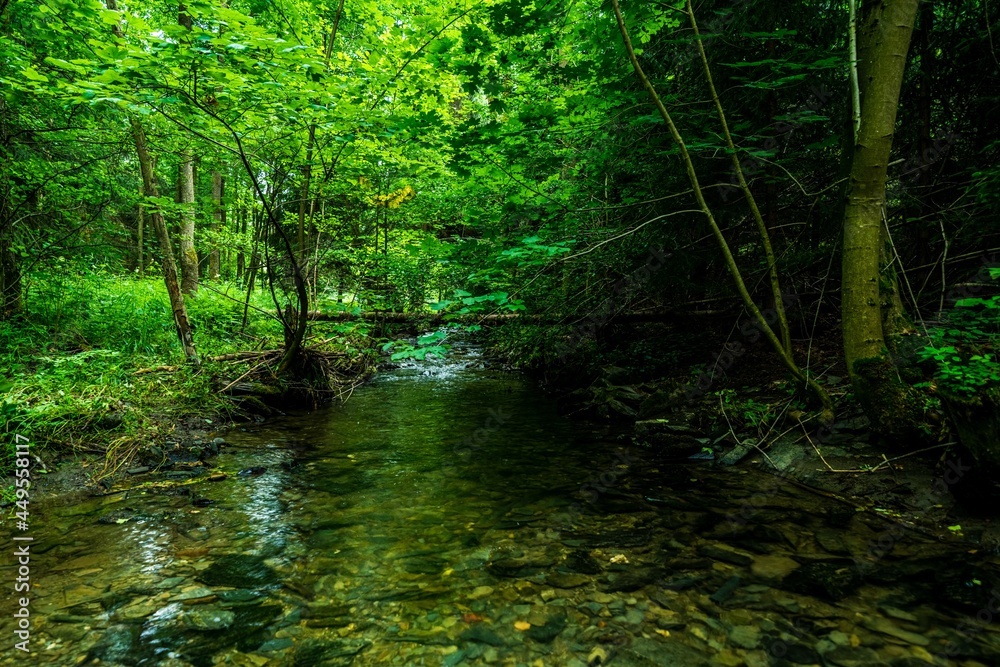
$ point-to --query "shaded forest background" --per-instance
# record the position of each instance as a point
(476, 158)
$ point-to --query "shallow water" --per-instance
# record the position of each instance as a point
(447, 515)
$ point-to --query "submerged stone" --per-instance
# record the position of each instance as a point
(830, 580)
(482, 635)
(631, 580)
(238, 571)
(547, 632)
(206, 618)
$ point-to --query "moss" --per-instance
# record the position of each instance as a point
(894, 408)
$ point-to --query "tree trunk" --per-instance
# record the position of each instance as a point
(185, 197)
(169, 267)
(10, 276)
(10, 272)
(885, 41)
(218, 222)
(241, 230)
(140, 233)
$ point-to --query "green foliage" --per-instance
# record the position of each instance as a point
(69, 363)
(746, 412)
(964, 351)
(427, 345)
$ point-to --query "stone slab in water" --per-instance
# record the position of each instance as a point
(238, 571)
(654, 653)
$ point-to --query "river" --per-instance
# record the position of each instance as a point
(448, 515)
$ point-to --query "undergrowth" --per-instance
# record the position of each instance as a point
(69, 362)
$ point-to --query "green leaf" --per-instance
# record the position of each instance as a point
(32, 74)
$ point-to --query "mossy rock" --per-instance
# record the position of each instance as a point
(977, 421)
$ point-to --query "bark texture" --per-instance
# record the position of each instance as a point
(185, 197)
(883, 45)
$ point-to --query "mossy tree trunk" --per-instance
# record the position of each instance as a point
(884, 41)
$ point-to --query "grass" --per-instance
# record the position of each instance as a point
(69, 362)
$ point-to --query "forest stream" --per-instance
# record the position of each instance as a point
(448, 515)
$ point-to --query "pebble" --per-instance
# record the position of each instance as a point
(480, 592)
(745, 636)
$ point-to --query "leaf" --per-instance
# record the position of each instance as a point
(33, 74)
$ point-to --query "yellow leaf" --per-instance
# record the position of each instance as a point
(521, 626)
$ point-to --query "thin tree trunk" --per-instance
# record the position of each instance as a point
(10, 272)
(185, 197)
(218, 222)
(140, 242)
(10, 276)
(150, 190)
(241, 229)
(885, 42)
(741, 288)
(304, 192)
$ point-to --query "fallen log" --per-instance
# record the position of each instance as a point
(494, 318)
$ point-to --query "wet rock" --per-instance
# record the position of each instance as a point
(773, 568)
(116, 643)
(480, 592)
(898, 614)
(744, 636)
(547, 632)
(208, 619)
(193, 593)
(631, 580)
(681, 583)
(510, 568)
(481, 634)
(279, 644)
(736, 454)
(799, 654)
(582, 562)
(725, 554)
(424, 565)
(830, 580)
(238, 571)
(563, 580)
(726, 591)
(634, 617)
(252, 472)
(647, 427)
(852, 656)
(653, 653)
(240, 596)
(121, 516)
(887, 627)
(328, 653)
(623, 538)
(597, 657)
